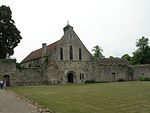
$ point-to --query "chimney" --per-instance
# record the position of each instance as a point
(44, 49)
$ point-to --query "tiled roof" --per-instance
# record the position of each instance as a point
(38, 53)
(112, 61)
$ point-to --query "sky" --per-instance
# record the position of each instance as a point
(114, 25)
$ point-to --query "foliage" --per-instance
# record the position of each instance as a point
(111, 57)
(18, 66)
(142, 43)
(144, 78)
(8, 60)
(97, 51)
(126, 56)
(121, 80)
(90, 81)
(9, 34)
(142, 54)
(119, 97)
(93, 81)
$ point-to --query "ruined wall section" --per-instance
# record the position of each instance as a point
(52, 72)
(8, 68)
(28, 76)
(110, 69)
(140, 70)
(22, 76)
(108, 73)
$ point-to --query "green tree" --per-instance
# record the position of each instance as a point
(126, 56)
(142, 43)
(142, 54)
(9, 34)
(97, 52)
(111, 57)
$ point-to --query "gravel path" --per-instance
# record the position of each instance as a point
(10, 103)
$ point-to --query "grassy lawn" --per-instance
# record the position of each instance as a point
(121, 97)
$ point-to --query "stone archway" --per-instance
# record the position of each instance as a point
(71, 78)
(7, 80)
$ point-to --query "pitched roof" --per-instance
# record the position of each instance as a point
(38, 53)
(112, 61)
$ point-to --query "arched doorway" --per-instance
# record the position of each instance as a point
(70, 78)
(7, 80)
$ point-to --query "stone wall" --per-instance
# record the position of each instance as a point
(23, 76)
(7, 68)
(28, 76)
(78, 68)
(34, 63)
(140, 70)
(58, 71)
(107, 73)
(117, 72)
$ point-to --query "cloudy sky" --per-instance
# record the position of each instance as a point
(114, 25)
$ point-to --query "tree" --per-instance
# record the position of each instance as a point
(111, 57)
(9, 34)
(126, 56)
(142, 43)
(142, 54)
(97, 51)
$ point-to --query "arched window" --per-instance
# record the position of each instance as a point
(61, 53)
(71, 52)
(80, 54)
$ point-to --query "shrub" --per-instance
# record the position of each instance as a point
(121, 80)
(144, 78)
(90, 81)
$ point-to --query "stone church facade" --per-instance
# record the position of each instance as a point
(68, 61)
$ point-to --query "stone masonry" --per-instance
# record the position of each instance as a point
(68, 61)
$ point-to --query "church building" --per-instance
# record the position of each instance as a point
(68, 61)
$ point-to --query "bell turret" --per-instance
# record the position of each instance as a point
(67, 27)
